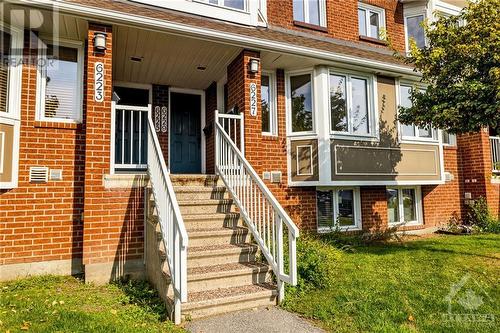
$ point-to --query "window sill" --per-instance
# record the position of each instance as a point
(310, 26)
(131, 180)
(405, 224)
(353, 137)
(450, 147)
(420, 141)
(373, 40)
(56, 124)
(325, 230)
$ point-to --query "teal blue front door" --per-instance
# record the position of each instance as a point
(185, 137)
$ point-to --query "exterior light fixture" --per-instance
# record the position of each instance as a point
(100, 41)
(254, 65)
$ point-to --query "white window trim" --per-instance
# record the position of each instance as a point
(413, 12)
(412, 139)
(41, 82)
(288, 92)
(418, 207)
(15, 73)
(322, 13)
(357, 209)
(381, 18)
(273, 98)
(371, 104)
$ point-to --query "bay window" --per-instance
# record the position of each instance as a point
(403, 205)
(268, 104)
(60, 83)
(351, 105)
(301, 97)
(338, 208)
(310, 11)
(4, 70)
(371, 20)
(412, 132)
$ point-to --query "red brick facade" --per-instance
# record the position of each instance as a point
(342, 20)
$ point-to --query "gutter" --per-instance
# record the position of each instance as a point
(111, 16)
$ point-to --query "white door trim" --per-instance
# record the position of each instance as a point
(201, 93)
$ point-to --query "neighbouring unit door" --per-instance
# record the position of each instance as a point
(185, 133)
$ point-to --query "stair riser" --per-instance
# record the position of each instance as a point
(201, 312)
(236, 238)
(213, 223)
(202, 195)
(208, 182)
(221, 259)
(227, 281)
(207, 209)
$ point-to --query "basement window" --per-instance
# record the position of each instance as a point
(404, 206)
(338, 208)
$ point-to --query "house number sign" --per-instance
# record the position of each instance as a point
(253, 99)
(99, 82)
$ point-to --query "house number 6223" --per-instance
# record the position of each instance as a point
(99, 82)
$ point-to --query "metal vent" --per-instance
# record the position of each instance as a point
(266, 175)
(39, 174)
(275, 176)
(56, 174)
(448, 176)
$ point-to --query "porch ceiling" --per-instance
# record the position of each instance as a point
(168, 59)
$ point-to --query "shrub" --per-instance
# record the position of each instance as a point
(480, 218)
(316, 263)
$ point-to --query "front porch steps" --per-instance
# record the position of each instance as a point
(223, 271)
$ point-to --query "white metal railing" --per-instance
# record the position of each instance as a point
(495, 153)
(263, 214)
(234, 127)
(173, 231)
(130, 135)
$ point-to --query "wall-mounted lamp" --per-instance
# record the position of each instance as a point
(254, 65)
(100, 41)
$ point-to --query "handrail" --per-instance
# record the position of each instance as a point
(173, 230)
(257, 205)
(495, 153)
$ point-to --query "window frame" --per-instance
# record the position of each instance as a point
(418, 206)
(288, 90)
(322, 13)
(14, 84)
(358, 223)
(220, 4)
(409, 14)
(273, 102)
(381, 19)
(417, 138)
(42, 74)
(452, 139)
(371, 105)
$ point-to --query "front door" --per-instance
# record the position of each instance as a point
(185, 137)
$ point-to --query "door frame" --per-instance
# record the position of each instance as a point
(201, 93)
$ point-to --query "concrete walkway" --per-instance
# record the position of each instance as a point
(263, 320)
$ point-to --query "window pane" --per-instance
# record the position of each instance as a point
(404, 93)
(362, 22)
(325, 208)
(449, 139)
(313, 12)
(360, 121)
(409, 206)
(301, 96)
(237, 4)
(345, 208)
(415, 30)
(298, 10)
(392, 205)
(374, 25)
(4, 69)
(61, 91)
(265, 100)
(425, 132)
(338, 103)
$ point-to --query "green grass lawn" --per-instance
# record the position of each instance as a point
(402, 287)
(66, 304)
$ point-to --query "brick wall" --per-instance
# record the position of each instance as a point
(160, 100)
(269, 153)
(373, 208)
(43, 222)
(113, 219)
(210, 107)
(342, 19)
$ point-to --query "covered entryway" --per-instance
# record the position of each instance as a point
(185, 132)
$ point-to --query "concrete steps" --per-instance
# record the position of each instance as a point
(223, 272)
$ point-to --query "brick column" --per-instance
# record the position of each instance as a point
(374, 208)
(238, 90)
(160, 100)
(113, 219)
